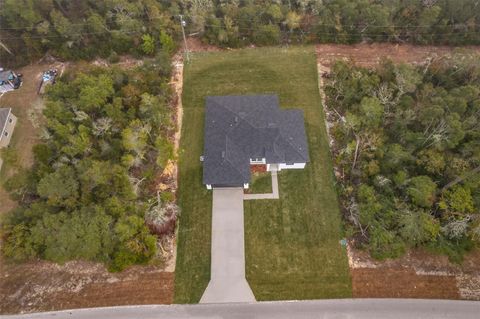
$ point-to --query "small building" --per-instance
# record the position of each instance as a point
(9, 80)
(7, 124)
(251, 130)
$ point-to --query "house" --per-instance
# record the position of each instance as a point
(241, 131)
(9, 80)
(7, 124)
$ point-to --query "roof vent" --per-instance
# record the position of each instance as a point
(223, 154)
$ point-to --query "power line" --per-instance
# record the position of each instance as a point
(239, 28)
(250, 20)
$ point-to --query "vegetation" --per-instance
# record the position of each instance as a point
(239, 23)
(292, 244)
(82, 29)
(93, 178)
(407, 153)
(261, 183)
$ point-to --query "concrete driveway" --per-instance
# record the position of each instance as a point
(227, 279)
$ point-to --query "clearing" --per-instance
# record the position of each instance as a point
(292, 244)
(418, 274)
(26, 105)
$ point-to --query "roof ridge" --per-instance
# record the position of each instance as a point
(226, 157)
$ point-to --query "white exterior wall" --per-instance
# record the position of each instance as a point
(263, 161)
(292, 166)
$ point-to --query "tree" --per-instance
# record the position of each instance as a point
(432, 161)
(457, 200)
(60, 188)
(167, 43)
(85, 234)
(422, 190)
(148, 45)
(371, 111)
(292, 20)
(135, 244)
(418, 227)
(19, 245)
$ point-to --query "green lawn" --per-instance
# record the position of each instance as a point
(261, 183)
(292, 244)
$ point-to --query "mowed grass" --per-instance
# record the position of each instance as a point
(260, 183)
(292, 244)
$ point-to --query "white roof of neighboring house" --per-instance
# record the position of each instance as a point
(4, 115)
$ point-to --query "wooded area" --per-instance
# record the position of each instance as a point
(238, 23)
(92, 191)
(82, 29)
(407, 152)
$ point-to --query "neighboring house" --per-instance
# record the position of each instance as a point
(241, 131)
(9, 80)
(7, 124)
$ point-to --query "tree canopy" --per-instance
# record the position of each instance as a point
(406, 148)
(94, 177)
(107, 28)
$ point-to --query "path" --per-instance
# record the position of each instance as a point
(273, 195)
(227, 283)
(344, 308)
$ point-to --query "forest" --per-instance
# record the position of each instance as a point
(92, 191)
(407, 153)
(84, 29)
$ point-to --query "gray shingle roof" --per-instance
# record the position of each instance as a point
(238, 128)
(4, 112)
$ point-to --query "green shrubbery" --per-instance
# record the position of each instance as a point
(85, 196)
(407, 146)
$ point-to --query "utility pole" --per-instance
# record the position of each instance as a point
(182, 22)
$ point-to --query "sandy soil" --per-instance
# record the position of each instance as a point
(43, 286)
(371, 54)
(418, 274)
(26, 104)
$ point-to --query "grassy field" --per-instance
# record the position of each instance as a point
(292, 244)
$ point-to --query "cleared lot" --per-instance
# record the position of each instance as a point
(292, 244)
